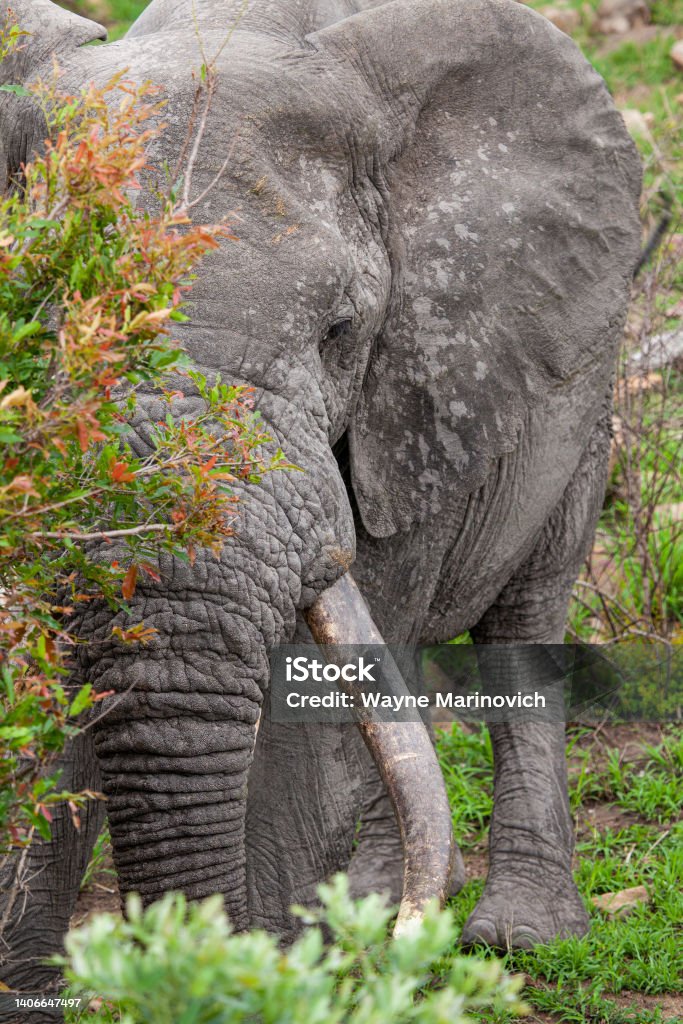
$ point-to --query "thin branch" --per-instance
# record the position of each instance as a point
(132, 531)
(194, 152)
(217, 177)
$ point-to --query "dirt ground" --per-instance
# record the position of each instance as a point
(671, 1007)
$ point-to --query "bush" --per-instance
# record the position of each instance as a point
(181, 962)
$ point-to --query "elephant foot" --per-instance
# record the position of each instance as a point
(526, 906)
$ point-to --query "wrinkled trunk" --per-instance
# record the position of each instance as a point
(176, 741)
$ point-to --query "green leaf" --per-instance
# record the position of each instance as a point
(26, 330)
(80, 701)
(18, 90)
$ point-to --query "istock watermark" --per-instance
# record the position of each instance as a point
(531, 682)
(303, 670)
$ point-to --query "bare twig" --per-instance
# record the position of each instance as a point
(131, 531)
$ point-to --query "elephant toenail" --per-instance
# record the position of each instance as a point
(480, 932)
(523, 937)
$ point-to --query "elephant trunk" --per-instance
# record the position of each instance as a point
(404, 755)
(176, 738)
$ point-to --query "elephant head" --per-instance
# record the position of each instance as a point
(438, 224)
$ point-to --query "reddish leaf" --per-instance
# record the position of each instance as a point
(150, 571)
(24, 484)
(129, 581)
(82, 435)
(119, 472)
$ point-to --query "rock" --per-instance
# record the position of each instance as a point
(613, 26)
(658, 351)
(676, 54)
(565, 18)
(617, 16)
(619, 904)
(632, 10)
(636, 123)
(642, 382)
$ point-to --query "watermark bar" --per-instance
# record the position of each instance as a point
(489, 683)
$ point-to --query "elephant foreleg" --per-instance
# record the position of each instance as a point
(377, 862)
(530, 895)
(39, 887)
(303, 804)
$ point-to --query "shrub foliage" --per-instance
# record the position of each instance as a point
(181, 962)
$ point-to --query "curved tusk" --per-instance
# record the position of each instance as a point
(403, 753)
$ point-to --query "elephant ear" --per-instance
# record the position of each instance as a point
(50, 28)
(512, 190)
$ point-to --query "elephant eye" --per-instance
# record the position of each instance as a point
(336, 331)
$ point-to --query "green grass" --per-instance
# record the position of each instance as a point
(655, 791)
(98, 864)
(123, 14)
(467, 764)
(126, 10)
(636, 64)
(665, 551)
(667, 12)
(574, 979)
(117, 15)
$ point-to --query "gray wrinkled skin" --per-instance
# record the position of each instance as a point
(438, 208)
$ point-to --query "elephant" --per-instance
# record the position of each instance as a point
(438, 208)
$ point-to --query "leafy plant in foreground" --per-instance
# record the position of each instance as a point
(181, 962)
